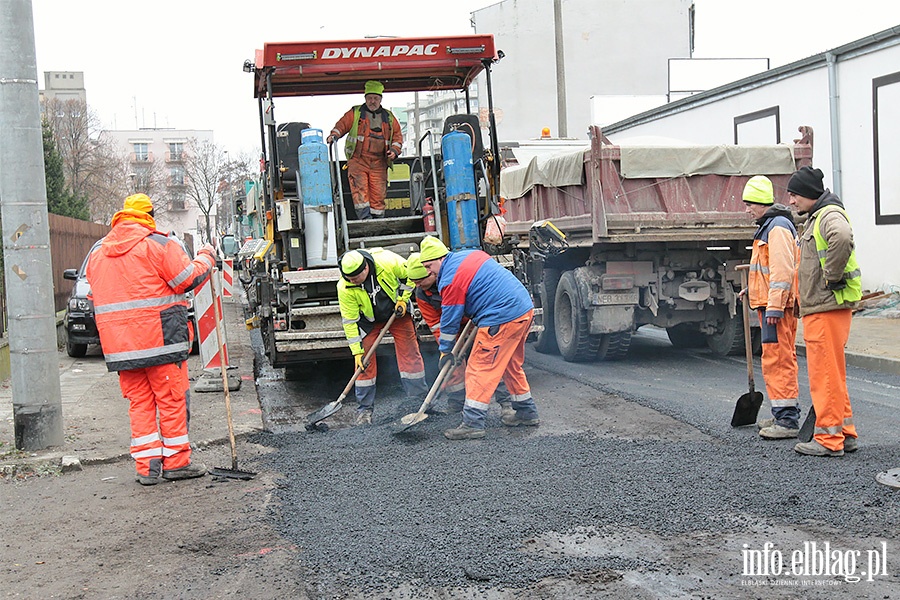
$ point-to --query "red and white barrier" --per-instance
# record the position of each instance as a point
(206, 324)
(227, 280)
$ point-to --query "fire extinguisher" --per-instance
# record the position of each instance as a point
(428, 216)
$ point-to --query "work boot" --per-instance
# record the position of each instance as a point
(464, 432)
(147, 479)
(514, 420)
(506, 409)
(763, 423)
(814, 448)
(851, 444)
(187, 472)
(777, 432)
(364, 417)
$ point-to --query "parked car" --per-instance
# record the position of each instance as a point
(81, 328)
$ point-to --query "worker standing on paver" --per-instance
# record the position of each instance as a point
(830, 288)
(472, 284)
(138, 277)
(428, 299)
(374, 285)
(772, 293)
(374, 141)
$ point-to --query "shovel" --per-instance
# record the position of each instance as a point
(233, 472)
(747, 407)
(462, 345)
(332, 407)
(809, 425)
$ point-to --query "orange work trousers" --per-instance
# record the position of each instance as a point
(409, 361)
(158, 414)
(498, 354)
(367, 174)
(825, 335)
(779, 364)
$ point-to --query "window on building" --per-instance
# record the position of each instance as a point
(141, 152)
(176, 175)
(176, 149)
(886, 137)
(177, 201)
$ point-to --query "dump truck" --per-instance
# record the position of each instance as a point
(301, 204)
(610, 238)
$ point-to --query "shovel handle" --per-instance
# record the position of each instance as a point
(222, 366)
(462, 345)
(368, 355)
(746, 309)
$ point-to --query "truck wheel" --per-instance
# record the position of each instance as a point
(686, 335)
(729, 337)
(546, 339)
(614, 346)
(76, 350)
(573, 337)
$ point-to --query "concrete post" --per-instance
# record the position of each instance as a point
(561, 108)
(37, 408)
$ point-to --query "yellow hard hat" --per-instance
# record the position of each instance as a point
(759, 190)
(374, 87)
(140, 202)
(414, 268)
(432, 249)
(352, 263)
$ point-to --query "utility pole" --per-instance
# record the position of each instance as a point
(37, 407)
(561, 116)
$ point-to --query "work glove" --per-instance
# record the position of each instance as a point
(446, 358)
(836, 285)
(400, 309)
(358, 360)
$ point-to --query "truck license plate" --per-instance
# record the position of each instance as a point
(608, 298)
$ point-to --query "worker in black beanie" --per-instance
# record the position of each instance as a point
(807, 182)
(830, 286)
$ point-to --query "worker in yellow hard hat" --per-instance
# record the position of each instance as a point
(373, 286)
(374, 141)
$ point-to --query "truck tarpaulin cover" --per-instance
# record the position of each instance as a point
(558, 170)
(639, 162)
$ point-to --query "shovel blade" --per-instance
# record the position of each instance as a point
(808, 427)
(323, 413)
(232, 473)
(407, 421)
(746, 409)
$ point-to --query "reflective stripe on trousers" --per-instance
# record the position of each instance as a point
(826, 335)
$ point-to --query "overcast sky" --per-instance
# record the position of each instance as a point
(178, 63)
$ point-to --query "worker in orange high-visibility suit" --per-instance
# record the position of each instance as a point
(772, 293)
(428, 299)
(830, 288)
(138, 277)
(374, 141)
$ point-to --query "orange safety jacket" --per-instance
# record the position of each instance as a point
(773, 263)
(138, 277)
(363, 140)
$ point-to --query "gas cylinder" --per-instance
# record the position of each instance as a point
(315, 194)
(428, 216)
(462, 204)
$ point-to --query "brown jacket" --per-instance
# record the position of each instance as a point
(815, 297)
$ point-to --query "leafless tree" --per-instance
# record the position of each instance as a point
(204, 166)
(236, 171)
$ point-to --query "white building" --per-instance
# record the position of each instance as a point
(63, 86)
(850, 96)
(156, 158)
(608, 48)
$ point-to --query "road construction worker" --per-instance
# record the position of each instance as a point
(428, 299)
(830, 287)
(138, 277)
(772, 294)
(374, 141)
(472, 284)
(374, 285)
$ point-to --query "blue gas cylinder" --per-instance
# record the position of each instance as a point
(315, 178)
(462, 201)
